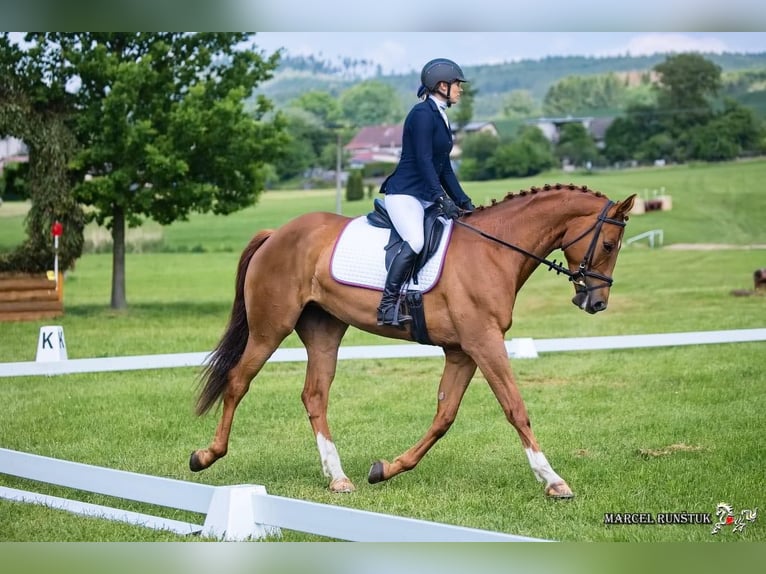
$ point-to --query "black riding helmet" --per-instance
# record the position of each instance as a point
(439, 70)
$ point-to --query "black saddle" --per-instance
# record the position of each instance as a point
(433, 229)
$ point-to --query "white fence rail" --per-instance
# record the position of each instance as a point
(652, 236)
(517, 348)
(239, 512)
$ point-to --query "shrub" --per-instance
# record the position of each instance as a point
(355, 186)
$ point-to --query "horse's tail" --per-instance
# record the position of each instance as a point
(229, 350)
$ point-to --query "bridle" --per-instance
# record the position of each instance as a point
(583, 272)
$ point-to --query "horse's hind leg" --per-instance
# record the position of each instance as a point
(253, 358)
(458, 371)
(321, 333)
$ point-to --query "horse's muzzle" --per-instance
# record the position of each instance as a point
(584, 301)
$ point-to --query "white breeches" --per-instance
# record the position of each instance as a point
(406, 214)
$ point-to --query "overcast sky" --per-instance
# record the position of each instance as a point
(406, 51)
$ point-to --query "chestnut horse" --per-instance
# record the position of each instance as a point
(284, 283)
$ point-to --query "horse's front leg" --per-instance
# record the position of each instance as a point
(492, 358)
(458, 371)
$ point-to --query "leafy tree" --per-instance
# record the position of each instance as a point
(35, 107)
(13, 182)
(740, 125)
(576, 145)
(732, 133)
(519, 104)
(659, 146)
(477, 150)
(355, 186)
(371, 103)
(161, 125)
(470, 170)
(626, 134)
(308, 137)
(707, 144)
(528, 154)
(584, 94)
(464, 110)
(321, 104)
(688, 82)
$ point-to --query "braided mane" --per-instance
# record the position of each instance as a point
(533, 190)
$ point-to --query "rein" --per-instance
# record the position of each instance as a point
(579, 276)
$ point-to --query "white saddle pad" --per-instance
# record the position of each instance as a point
(359, 258)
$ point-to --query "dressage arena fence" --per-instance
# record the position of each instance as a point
(26, 297)
(247, 512)
(233, 513)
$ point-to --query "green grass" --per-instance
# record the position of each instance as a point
(645, 430)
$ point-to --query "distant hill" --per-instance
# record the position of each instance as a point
(297, 75)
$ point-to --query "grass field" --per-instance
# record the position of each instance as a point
(647, 430)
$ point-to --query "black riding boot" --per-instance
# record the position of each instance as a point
(388, 311)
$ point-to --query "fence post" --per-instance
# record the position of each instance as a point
(231, 516)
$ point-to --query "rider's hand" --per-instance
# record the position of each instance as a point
(448, 207)
(467, 206)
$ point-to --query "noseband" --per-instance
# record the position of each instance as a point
(584, 271)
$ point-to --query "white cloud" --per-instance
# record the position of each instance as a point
(647, 44)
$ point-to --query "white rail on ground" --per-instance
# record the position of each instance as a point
(517, 348)
(238, 512)
(651, 236)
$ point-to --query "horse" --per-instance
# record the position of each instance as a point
(284, 284)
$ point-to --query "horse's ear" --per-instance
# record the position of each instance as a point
(624, 207)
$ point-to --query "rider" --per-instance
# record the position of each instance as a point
(423, 176)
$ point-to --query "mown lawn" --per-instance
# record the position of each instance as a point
(645, 430)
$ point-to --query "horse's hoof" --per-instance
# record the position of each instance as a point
(194, 464)
(342, 485)
(376, 472)
(559, 490)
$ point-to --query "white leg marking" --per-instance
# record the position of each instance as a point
(328, 454)
(541, 468)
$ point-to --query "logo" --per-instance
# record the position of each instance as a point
(726, 517)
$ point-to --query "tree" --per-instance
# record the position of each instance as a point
(519, 104)
(355, 186)
(626, 134)
(581, 94)
(370, 103)
(321, 119)
(13, 182)
(528, 154)
(322, 105)
(477, 150)
(161, 125)
(688, 82)
(731, 133)
(576, 145)
(307, 137)
(464, 110)
(35, 107)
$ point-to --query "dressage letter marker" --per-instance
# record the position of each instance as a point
(51, 345)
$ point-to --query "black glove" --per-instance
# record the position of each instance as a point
(448, 207)
(467, 206)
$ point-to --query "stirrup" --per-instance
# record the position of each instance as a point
(396, 320)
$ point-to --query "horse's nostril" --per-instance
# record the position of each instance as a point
(599, 306)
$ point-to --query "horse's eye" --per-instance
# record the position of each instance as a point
(608, 246)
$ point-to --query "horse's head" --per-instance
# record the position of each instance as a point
(591, 245)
